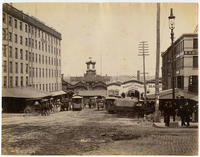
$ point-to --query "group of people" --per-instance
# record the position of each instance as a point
(183, 111)
(48, 106)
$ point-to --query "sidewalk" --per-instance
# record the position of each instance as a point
(176, 124)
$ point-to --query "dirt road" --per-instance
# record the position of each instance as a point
(91, 132)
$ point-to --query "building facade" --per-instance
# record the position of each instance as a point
(132, 87)
(31, 52)
(89, 82)
(185, 62)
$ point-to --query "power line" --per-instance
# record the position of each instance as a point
(143, 51)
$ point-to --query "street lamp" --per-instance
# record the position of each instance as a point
(171, 27)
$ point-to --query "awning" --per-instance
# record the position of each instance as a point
(167, 94)
(56, 93)
(93, 93)
(164, 94)
(23, 92)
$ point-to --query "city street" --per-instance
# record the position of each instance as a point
(92, 132)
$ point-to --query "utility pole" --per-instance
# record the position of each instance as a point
(157, 114)
(143, 51)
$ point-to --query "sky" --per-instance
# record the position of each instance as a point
(110, 33)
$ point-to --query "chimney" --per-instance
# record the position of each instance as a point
(138, 75)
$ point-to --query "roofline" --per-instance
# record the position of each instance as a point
(180, 38)
(30, 20)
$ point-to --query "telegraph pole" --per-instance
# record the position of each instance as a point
(157, 114)
(143, 51)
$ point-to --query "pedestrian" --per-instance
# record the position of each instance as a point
(187, 110)
(172, 111)
(181, 113)
(166, 114)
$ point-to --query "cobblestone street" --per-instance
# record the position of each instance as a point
(91, 132)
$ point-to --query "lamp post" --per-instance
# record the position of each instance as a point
(171, 27)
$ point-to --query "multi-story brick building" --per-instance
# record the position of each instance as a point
(185, 64)
(31, 52)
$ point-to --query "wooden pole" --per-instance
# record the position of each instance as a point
(157, 112)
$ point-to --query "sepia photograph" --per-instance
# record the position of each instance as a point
(99, 78)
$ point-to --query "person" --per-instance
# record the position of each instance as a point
(181, 113)
(172, 111)
(187, 110)
(166, 114)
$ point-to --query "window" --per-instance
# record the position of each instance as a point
(195, 61)
(36, 57)
(4, 66)
(16, 81)
(32, 43)
(21, 40)
(11, 67)
(26, 43)
(32, 30)
(193, 84)
(29, 56)
(4, 34)
(36, 72)
(16, 23)
(5, 81)
(43, 86)
(49, 60)
(39, 72)
(42, 72)
(33, 70)
(4, 18)
(21, 26)
(40, 86)
(49, 73)
(39, 33)
(42, 46)
(26, 80)
(10, 51)
(46, 59)
(26, 28)
(46, 47)
(46, 72)
(16, 53)
(22, 83)
(29, 43)
(26, 55)
(26, 68)
(16, 68)
(4, 50)
(39, 45)
(21, 54)
(35, 32)
(39, 59)
(29, 28)
(10, 36)
(30, 71)
(35, 44)
(42, 59)
(21, 68)
(10, 20)
(46, 87)
(15, 38)
(33, 57)
(11, 81)
(195, 43)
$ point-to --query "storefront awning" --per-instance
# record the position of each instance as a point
(56, 93)
(23, 92)
(167, 94)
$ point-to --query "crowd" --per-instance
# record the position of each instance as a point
(184, 111)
